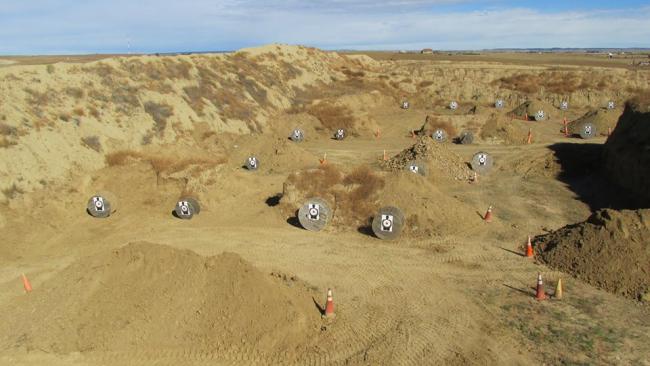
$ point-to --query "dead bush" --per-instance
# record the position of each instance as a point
(65, 116)
(332, 116)
(79, 112)
(93, 112)
(160, 112)
(92, 142)
(125, 97)
(50, 69)
(425, 83)
(74, 92)
(6, 142)
(12, 192)
(7, 130)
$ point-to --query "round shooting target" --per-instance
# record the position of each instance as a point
(466, 138)
(540, 115)
(184, 210)
(405, 105)
(252, 163)
(439, 135)
(417, 168)
(611, 104)
(388, 223)
(481, 162)
(453, 105)
(564, 105)
(101, 205)
(499, 104)
(315, 214)
(297, 135)
(588, 130)
(340, 134)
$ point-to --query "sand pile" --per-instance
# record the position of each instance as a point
(278, 154)
(546, 165)
(531, 107)
(500, 129)
(627, 153)
(356, 196)
(601, 118)
(440, 161)
(610, 250)
(148, 296)
(432, 123)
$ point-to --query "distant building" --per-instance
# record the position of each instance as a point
(427, 51)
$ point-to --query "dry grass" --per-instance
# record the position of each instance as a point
(554, 82)
(160, 112)
(5, 142)
(93, 112)
(162, 164)
(7, 130)
(640, 98)
(12, 192)
(74, 92)
(125, 97)
(332, 117)
(65, 116)
(425, 84)
(79, 112)
(92, 142)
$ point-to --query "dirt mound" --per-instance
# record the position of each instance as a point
(601, 118)
(627, 153)
(530, 108)
(432, 123)
(279, 154)
(356, 196)
(441, 162)
(546, 165)
(148, 296)
(610, 250)
(499, 129)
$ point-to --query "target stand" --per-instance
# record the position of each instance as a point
(499, 104)
(564, 105)
(481, 162)
(101, 205)
(388, 223)
(588, 131)
(439, 135)
(540, 116)
(453, 105)
(339, 134)
(315, 214)
(417, 168)
(186, 208)
(611, 105)
(297, 135)
(252, 163)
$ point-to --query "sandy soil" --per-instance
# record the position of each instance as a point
(461, 293)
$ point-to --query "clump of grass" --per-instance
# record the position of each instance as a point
(7, 130)
(74, 92)
(425, 83)
(79, 112)
(160, 112)
(92, 142)
(12, 192)
(93, 112)
(126, 97)
(554, 82)
(50, 69)
(65, 117)
(6, 142)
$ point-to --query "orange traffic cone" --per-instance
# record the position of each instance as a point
(609, 131)
(488, 215)
(529, 139)
(529, 248)
(377, 134)
(566, 127)
(540, 295)
(475, 178)
(526, 116)
(323, 161)
(385, 156)
(26, 284)
(329, 306)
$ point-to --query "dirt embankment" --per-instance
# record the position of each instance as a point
(149, 296)
(610, 250)
(627, 153)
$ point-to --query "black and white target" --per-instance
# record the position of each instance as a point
(406, 105)
(611, 104)
(297, 135)
(499, 104)
(186, 208)
(453, 105)
(466, 138)
(339, 134)
(416, 167)
(439, 135)
(252, 163)
(315, 214)
(388, 223)
(481, 162)
(588, 130)
(101, 205)
(564, 105)
(540, 115)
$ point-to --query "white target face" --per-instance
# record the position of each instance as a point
(340, 133)
(611, 105)
(185, 208)
(439, 135)
(252, 162)
(414, 168)
(99, 203)
(297, 134)
(387, 223)
(499, 104)
(405, 105)
(588, 130)
(564, 106)
(453, 105)
(314, 212)
(482, 159)
(539, 115)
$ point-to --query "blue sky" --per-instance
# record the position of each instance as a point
(115, 26)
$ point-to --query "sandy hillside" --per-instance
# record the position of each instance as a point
(242, 283)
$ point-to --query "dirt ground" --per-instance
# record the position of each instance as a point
(459, 293)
